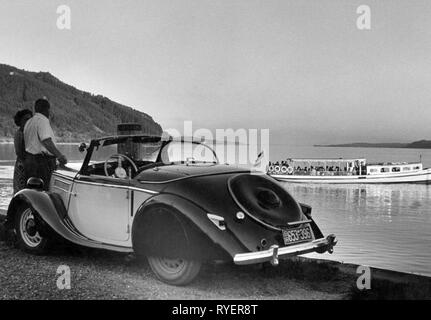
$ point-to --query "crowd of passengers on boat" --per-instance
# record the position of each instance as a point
(284, 168)
(343, 168)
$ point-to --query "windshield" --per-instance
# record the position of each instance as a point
(145, 151)
(127, 156)
(188, 152)
(135, 150)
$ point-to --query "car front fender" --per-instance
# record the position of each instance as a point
(40, 201)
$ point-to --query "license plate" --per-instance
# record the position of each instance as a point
(297, 235)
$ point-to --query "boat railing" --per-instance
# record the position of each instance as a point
(323, 173)
(313, 172)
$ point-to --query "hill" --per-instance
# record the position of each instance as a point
(77, 115)
(421, 144)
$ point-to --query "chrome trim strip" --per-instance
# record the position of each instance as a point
(275, 253)
(58, 180)
(116, 186)
(63, 180)
(144, 190)
(60, 176)
(66, 191)
(298, 222)
(73, 230)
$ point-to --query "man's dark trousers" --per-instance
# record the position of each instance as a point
(40, 166)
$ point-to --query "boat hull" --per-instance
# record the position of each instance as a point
(423, 176)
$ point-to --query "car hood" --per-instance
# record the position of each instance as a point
(167, 173)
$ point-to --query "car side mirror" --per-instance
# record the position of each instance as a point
(82, 147)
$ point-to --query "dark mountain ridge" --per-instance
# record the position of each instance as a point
(77, 115)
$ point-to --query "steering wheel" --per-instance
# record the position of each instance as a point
(120, 172)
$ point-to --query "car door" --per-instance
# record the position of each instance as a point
(100, 207)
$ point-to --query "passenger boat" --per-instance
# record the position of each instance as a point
(346, 171)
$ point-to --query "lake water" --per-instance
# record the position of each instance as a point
(386, 226)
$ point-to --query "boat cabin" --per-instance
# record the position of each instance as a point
(390, 168)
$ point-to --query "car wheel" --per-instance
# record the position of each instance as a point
(28, 236)
(177, 271)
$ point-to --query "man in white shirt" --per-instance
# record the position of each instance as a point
(41, 151)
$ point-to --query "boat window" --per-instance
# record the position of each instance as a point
(373, 170)
(406, 169)
(416, 168)
(396, 169)
(384, 170)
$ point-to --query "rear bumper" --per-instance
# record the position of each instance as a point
(275, 253)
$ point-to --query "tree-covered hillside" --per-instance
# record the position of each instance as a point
(77, 115)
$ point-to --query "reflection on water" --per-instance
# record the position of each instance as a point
(6, 188)
(387, 226)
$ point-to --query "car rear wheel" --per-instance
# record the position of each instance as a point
(166, 240)
(28, 235)
(175, 271)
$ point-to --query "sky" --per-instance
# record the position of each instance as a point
(301, 69)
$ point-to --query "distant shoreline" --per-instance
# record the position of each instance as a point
(422, 144)
(353, 145)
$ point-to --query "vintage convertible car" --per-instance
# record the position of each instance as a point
(168, 200)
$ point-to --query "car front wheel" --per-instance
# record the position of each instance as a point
(28, 236)
(177, 271)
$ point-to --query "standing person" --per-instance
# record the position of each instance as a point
(19, 177)
(41, 151)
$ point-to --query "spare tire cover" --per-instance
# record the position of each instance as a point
(264, 199)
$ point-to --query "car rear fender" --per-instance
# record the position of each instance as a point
(200, 228)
